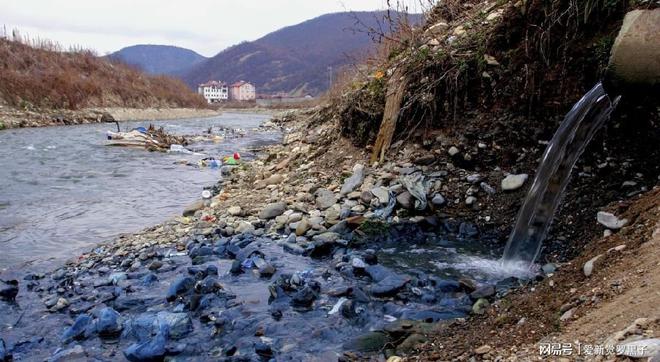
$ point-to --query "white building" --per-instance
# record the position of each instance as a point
(214, 91)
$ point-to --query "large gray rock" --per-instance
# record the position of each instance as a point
(635, 55)
(354, 181)
(271, 211)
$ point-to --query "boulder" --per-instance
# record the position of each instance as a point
(635, 55)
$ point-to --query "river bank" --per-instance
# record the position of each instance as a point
(311, 253)
(17, 118)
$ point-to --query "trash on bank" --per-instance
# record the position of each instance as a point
(150, 138)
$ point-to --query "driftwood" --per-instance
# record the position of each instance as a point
(396, 88)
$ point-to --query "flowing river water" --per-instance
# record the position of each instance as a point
(62, 190)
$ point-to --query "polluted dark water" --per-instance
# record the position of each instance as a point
(62, 190)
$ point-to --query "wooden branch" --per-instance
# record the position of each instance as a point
(396, 88)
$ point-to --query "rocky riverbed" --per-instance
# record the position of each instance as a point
(306, 253)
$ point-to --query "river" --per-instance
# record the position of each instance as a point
(62, 190)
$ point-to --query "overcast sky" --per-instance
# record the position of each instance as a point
(206, 26)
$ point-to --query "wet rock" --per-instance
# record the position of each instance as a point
(588, 267)
(74, 354)
(115, 278)
(370, 342)
(358, 263)
(610, 221)
(480, 306)
(263, 350)
(325, 199)
(272, 210)
(294, 249)
(78, 330)
(354, 181)
(149, 279)
(8, 289)
(178, 325)
(378, 272)
(485, 291)
(306, 296)
(468, 230)
(151, 350)
(191, 209)
(4, 354)
(180, 286)
(438, 200)
(108, 323)
(389, 286)
(155, 265)
(514, 182)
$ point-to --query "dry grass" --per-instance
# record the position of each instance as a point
(40, 75)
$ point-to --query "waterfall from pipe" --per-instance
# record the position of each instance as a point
(568, 143)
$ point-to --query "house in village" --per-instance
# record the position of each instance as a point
(214, 91)
(242, 91)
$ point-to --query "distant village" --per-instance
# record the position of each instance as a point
(215, 91)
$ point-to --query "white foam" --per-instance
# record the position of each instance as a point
(489, 268)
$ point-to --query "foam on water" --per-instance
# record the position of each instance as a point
(491, 270)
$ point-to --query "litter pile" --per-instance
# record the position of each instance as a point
(150, 138)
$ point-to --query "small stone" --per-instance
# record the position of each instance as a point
(480, 306)
(514, 182)
(191, 209)
(549, 268)
(610, 221)
(155, 265)
(438, 200)
(483, 292)
(354, 181)
(483, 349)
(470, 200)
(395, 359)
(405, 200)
(473, 178)
(234, 210)
(382, 194)
(588, 267)
(245, 227)
(303, 226)
(61, 304)
(74, 354)
(453, 151)
(567, 315)
(490, 60)
(358, 263)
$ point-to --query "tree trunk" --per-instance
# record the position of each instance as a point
(396, 88)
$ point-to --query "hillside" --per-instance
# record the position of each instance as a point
(295, 59)
(158, 59)
(46, 78)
